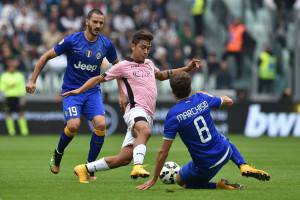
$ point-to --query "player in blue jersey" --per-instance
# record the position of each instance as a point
(210, 150)
(85, 52)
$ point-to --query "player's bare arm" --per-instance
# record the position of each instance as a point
(87, 85)
(31, 85)
(123, 100)
(166, 74)
(160, 160)
(226, 101)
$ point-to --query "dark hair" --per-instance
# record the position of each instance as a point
(94, 10)
(181, 85)
(142, 35)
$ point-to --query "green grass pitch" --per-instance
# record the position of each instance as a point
(25, 175)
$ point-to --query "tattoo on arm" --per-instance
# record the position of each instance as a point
(103, 75)
(169, 72)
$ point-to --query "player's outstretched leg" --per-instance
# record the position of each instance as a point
(64, 140)
(249, 171)
(123, 158)
(236, 156)
(224, 184)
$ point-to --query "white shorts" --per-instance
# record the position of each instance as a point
(129, 120)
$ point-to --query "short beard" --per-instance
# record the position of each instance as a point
(91, 31)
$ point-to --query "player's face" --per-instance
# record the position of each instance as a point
(95, 24)
(140, 51)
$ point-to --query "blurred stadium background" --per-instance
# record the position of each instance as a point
(268, 35)
(183, 29)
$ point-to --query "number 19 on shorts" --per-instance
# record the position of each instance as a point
(72, 111)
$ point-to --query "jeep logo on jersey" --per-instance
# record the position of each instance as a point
(88, 53)
(84, 67)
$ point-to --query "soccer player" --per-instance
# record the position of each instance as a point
(210, 150)
(138, 75)
(85, 52)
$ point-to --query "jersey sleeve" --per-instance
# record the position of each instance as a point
(170, 127)
(111, 55)
(114, 73)
(63, 46)
(213, 101)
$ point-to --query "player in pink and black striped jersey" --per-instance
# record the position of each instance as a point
(138, 75)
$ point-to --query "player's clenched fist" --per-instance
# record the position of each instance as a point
(30, 87)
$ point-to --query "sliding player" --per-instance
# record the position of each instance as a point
(210, 150)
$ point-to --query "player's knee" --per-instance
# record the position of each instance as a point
(72, 128)
(99, 123)
(100, 126)
(70, 131)
(146, 133)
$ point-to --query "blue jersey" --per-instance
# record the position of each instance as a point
(84, 58)
(191, 119)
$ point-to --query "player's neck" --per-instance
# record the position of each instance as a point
(89, 36)
(182, 99)
(135, 59)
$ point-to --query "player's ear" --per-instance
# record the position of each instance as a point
(86, 22)
(132, 46)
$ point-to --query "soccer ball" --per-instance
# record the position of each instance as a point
(168, 172)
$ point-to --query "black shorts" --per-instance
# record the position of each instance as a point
(12, 104)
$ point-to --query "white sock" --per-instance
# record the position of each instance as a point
(98, 165)
(138, 154)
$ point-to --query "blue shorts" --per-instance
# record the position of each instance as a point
(89, 104)
(195, 176)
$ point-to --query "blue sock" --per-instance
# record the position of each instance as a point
(202, 186)
(64, 140)
(236, 156)
(95, 147)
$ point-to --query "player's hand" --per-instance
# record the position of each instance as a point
(30, 87)
(146, 185)
(123, 101)
(195, 64)
(227, 101)
(72, 92)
